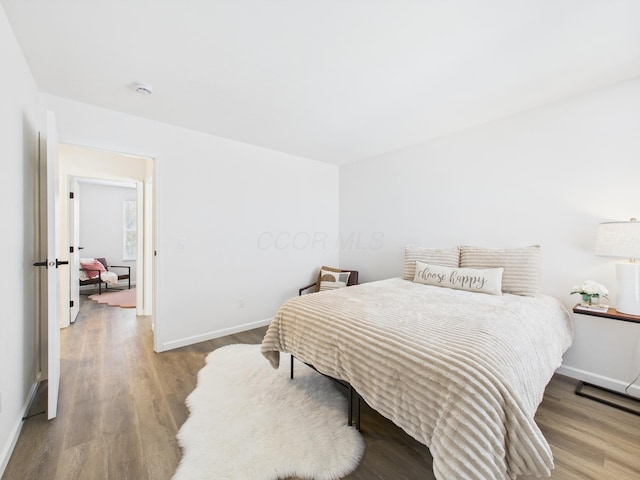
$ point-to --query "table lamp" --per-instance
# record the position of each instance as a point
(622, 239)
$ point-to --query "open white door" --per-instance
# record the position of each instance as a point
(74, 251)
(51, 281)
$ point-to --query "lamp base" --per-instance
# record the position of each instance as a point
(628, 276)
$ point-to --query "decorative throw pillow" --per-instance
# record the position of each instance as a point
(521, 266)
(330, 280)
(484, 280)
(449, 257)
(324, 268)
(93, 269)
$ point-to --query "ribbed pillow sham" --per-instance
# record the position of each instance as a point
(448, 257)
(521, 266)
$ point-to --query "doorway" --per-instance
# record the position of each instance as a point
(103, 224)
(82, 164)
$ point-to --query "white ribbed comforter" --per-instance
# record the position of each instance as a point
(461, 372)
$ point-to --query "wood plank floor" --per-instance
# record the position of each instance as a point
(121, 406)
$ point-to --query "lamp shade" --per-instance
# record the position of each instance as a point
(622, 239)
(619, 239)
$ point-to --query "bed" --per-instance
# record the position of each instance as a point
(460, 371)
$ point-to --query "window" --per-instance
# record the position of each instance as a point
(129, 232)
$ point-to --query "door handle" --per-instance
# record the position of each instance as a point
(61, 262)
(41, 264)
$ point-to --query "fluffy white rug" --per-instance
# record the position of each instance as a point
(248, 421)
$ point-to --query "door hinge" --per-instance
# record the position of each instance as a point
(70, 303)
(70, 194)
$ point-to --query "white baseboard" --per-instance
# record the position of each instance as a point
(183, 342)
(7, 450)
(600, 380)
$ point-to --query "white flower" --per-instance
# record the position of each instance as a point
(590, 287)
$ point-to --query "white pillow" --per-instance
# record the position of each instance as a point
(447, 257)
(331, 280)
(483, 280)
(521, 266)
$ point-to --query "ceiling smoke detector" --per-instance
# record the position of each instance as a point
(144, 89)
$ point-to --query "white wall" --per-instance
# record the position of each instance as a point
(18, 149)
(219, 206)
(101, 223)
(547, 176)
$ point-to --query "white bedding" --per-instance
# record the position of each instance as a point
(461, 372)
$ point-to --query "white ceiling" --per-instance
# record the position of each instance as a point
(331, 80)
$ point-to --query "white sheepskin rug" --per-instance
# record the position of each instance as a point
(248, 421)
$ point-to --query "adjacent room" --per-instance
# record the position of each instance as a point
(360, 240)
(107, 224)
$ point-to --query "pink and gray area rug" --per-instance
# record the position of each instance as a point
(117, 298)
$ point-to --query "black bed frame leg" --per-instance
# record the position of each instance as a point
(291, 367)
(357, 412)
(350, 407)
(353, 395)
